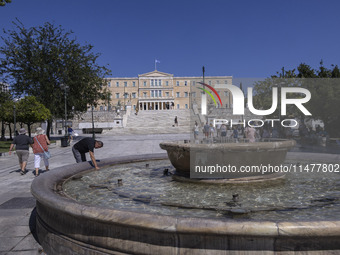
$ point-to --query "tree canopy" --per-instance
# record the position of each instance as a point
(30, 111)
(46, 62)
(324, 89)
(3, 2)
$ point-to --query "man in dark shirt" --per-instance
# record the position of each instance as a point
(21, 142)
(85, 145)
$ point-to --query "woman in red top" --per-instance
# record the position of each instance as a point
(38, 151)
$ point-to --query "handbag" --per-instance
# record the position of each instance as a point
(47, 154)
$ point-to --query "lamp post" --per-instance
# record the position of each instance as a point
(93, 135)
(65, 87)
(14, 117)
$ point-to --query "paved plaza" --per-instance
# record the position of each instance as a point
(17, 204)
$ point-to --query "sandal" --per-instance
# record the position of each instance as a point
(36, 175)
(22, 172)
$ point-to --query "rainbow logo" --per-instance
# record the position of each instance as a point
(204, 102)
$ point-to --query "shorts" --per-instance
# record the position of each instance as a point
(23, 155)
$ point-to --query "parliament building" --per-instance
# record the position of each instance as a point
(162, 91)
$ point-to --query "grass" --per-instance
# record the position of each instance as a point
(4, 146)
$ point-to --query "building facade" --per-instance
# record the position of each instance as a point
(162, 91)
(4, 87)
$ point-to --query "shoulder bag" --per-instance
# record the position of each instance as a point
(46, 153)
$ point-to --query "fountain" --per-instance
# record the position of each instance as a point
(184, 157)
(135, 219)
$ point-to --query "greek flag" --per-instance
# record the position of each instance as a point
(157, 61)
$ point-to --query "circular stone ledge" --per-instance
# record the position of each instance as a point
(67, 227)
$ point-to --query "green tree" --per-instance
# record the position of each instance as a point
(40, 61)
(325, 93)
(3, 2)
(5, 99)
(30, 111)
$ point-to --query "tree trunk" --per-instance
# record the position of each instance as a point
(10, 131)
(49, 125)
(29, 129)
(3, 138)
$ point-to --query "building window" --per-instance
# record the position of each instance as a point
(185, 83)
(177, 83)
(167, 94)
(225, 93)
(185, 94)
(144, 94)
(177, 106)
(145, 84)
(225, 82)
(133, 84)
(186, 106)
(193, 94)
(159, 93)
(167, 83)
(117, 95)
(109, 84)
(209, 82)
(193, 83)
(134, 95)
(155, 82)
(126, 95)
(117, 84)
(177, 94)
(125, 84)
(160, 82)
(217, 82)
(152, 93)
(151, 82)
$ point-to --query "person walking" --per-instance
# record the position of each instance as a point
(22, 143)
(85, 145)
(196, 128)
(40, 146)
(176, 122)
(70, 132)
(206, 130)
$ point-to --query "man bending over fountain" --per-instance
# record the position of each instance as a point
(85, 145)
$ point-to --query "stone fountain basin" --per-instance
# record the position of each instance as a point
(185, 156)
(67, 227)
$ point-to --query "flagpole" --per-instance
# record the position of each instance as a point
(155, 65)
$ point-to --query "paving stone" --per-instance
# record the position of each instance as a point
(8, 243)
(15, 231)
(28, 243)
(19, 203)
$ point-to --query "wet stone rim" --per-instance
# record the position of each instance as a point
(64, 222)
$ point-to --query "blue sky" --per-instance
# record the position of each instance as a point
(239, 38)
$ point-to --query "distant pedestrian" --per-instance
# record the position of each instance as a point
(250, 133)
(40, 146)
(85, 145)
(206, 130)
(223, 131)
(70, 132)
(196, 128)
(211, 131)
(22, 143)
(176, 122)
(235, 134)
